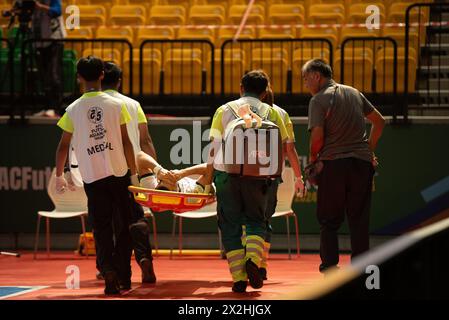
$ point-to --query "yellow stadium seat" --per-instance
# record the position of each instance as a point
(224, 3)
(358, 32)
(256, 16)
(225, 33)
(358, 66)
(151, 68)
(357, 12)
(300, 57)
(234, 64)
(184, 3)
(397, 11)
(196, 33)
(286, 14)
(183, 71)
(207, 15)
(159, 33)
(167, 15)
(329, 33)
(107, 4)
(384, 70)
(129, 15)
(398, 34)
(92, 15)
(276, 33)
(106, 54)
(126, 33)
(82, 33)
(147, 4)
(275, 63)
(326, 13)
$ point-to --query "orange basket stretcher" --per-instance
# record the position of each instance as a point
(162, 200)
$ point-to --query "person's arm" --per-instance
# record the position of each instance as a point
(293, 158)
(378, 124)
(54, 9)
(61, 158)
(316, 142)
(199, 169)
(62, 152)
(128, 150)
(146, 143)
(147, 164)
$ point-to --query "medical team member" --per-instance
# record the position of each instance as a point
(97, 123)
(242, 200)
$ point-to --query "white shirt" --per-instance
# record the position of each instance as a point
(95, 120)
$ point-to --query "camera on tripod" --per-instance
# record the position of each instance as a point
(22, 9)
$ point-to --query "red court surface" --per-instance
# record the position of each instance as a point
(186, 277)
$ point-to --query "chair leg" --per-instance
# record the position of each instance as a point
(156, 245)
(297, 234)
(86, 246)
(48, 236)
(288, 237)
(36, 238)
(180, 236)
(173, 235)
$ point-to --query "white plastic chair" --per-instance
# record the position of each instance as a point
(69, 204)
(286, 194)
(205, 212)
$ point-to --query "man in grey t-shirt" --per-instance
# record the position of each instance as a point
(338, 139)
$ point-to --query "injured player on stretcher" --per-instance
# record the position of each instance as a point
(153, 176)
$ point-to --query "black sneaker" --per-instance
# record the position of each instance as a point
(255, 280)
(99, 276)
(324, 268)
(239, 286)
(148, 275)
(125, 285)
(263, 273)
(111, 283)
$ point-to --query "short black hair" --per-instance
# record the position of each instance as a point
(112, 74)
(255, 82)
(318, 65)
(90, 68)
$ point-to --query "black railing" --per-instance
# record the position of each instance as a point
(423, 57)
(371, 65)
(282, 59)
(7, 69)
(33, 90)
(165, 60)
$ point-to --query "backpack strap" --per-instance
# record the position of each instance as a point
(262, 111)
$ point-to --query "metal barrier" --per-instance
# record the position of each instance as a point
(282, 59)
(426, 58)
(35, 87)
(371, 66)
(7, 68)
(166, 65)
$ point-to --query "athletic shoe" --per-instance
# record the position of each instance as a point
(148, 275)
(125, 285)
(263, 273)
(111, 283)
(239, 286)
(255, 280)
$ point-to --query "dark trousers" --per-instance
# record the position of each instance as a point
(344, 187)
(49, 62)
(140, 233)
(271, 208)
(108, 202)
(240, 201)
